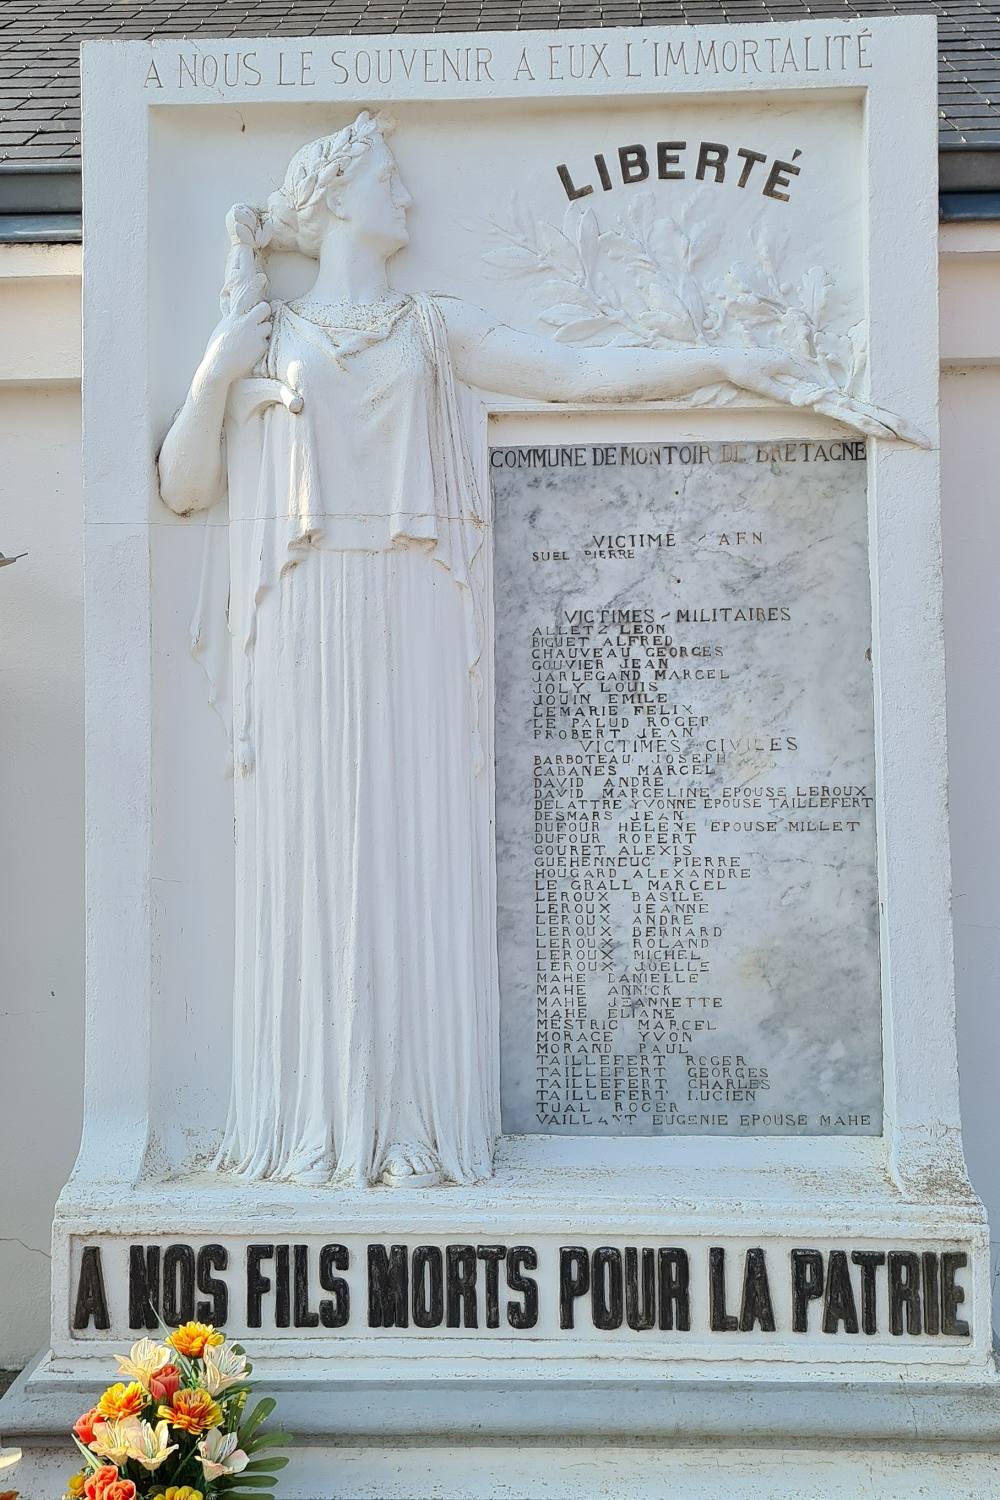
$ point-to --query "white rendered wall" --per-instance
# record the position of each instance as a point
(970, 479)
(41, 771)
(41, 736)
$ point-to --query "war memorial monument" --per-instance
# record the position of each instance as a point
(518, 878)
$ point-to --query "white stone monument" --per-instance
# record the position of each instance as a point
(523, 1007)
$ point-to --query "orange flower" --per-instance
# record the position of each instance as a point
(101, 1481)
(123, 1490)
(122, 1400)
(194, 1411)
(191, 1338)
(164, 1382)
(84, 1425)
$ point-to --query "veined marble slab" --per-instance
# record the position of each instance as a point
(685, 790)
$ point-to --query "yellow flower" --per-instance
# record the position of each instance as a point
(190, 1339)
(74, 1485)
(178, 1492)
(193, 1411)
(121, 1401)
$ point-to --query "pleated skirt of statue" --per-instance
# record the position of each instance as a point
(363, 1001)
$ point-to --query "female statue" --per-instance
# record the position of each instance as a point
(366, 1009)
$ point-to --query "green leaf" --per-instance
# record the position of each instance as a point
(265, 1465)
(260, 1413)
(256, 1481)
(185, 1365)
(268, 1440)
(92, 1459)
(244, 1495)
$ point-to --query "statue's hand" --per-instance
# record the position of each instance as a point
(237, 345)
(779, 377)
(772, 374)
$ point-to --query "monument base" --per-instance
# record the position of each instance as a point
(803, 1256)
(677, 1436)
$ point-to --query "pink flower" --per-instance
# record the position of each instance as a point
(164, 1382)
(85, 1424)
(220, 1455)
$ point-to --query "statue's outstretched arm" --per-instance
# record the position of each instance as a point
(493, 357)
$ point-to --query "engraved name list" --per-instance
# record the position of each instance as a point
(685, 790)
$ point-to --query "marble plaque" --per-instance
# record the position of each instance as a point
(685, 790)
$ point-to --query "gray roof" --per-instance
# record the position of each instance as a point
(39, 60)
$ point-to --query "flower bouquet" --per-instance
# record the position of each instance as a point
(176, 1427)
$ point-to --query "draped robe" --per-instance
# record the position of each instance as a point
(365, 992)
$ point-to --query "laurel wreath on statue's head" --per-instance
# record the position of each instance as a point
(283, 222)
(312, 171)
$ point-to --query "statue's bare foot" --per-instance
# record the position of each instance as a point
(411, 1166)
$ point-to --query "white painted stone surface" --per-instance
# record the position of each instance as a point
(346, 437)
(41, 779)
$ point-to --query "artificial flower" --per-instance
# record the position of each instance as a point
(122, 1489)
(191, 1338)
(193, 1411)
(103, 1483)
(84, 1425)
(75, 1484)
(221, 1368)
(150, 1445)
(112, 1440)
(220, 1455)
(142, 1360)
(120, 1401)
(178, 1492)
(164, 1382)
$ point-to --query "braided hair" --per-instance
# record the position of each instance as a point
(293, 217)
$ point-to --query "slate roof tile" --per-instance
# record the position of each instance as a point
(39, 42)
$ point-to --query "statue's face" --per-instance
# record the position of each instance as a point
(374, 200)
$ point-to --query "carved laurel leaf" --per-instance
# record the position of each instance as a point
(587, 235)
(565, 313)
(558, 251)
(689, 293)
(511, 258)
(677, 330)
(582, 328)
(750, 308)
(813, 292)
(663, 298)
(835, 351)
(858, 339)
(614, 247)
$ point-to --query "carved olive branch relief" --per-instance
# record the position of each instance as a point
(647, 281)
